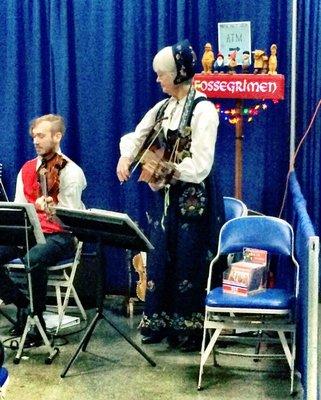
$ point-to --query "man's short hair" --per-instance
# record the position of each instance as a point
(57, 123)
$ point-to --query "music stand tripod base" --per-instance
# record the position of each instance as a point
(86, 338)
(103, 228)
(19, 226)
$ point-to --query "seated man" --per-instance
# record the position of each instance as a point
(50, 179)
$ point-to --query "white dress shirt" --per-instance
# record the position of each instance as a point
(204, 125)
(72, 182)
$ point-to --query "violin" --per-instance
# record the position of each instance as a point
(139, 263)
(49, 178)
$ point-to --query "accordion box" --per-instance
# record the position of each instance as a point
(247, 276)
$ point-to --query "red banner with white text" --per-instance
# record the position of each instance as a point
(241, 86)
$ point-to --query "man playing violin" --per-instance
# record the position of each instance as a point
(51, 179)
(175, 144)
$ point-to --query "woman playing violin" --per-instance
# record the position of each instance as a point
(48, 180)
(187, 209)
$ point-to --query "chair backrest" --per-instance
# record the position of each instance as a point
(263, 232)
(61, 278)
(234, 208)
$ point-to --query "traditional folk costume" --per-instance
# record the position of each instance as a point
(184, 218)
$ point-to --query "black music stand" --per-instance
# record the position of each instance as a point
(19, 226)
(4, 197)
(103, 228)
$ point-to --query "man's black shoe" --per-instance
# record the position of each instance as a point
(33, 340)
(175, 340)
(192, 343)
(19, 326)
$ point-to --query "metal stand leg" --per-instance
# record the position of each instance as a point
(33, 321)
(100, 315)
(85, 340)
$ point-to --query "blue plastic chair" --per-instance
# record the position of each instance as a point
(234, 208)
(270, 310)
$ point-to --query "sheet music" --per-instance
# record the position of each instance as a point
(116, 217)
(112, 214)
(104, 216)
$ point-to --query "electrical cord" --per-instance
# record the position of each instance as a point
(292, 161)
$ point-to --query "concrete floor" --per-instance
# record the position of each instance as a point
(112, 369)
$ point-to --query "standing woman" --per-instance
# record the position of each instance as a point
(187, 210)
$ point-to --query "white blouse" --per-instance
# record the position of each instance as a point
(204, 125)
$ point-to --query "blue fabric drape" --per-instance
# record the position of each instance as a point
(90, 60)
(303, 229)
(308, 96)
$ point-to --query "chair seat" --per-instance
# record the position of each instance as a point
(18, 261)
(268, 299)
(60, 277)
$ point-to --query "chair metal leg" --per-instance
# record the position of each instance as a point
(62, 299)
(286, 348)
(60, 308)
(201, 365)
(33, 321)
(206, 352)
(290, 355)
(78, 302)
(293, 336)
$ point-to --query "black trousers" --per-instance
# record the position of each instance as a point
(58, 247)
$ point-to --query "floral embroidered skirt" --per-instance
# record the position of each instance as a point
(185, 241)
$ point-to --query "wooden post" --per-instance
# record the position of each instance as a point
(240, 87)
(238, 150)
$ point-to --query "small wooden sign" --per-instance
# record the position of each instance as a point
(234, 36)
(241, 86)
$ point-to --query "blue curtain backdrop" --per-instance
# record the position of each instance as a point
(90, 60)
(308, 96)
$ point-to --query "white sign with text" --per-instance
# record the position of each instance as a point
(234, 36)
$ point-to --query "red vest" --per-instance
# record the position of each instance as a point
(31, 188)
